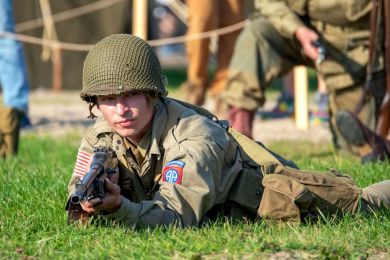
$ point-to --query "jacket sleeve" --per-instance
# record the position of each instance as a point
(147, 213)
(180, 203)
(281, 16)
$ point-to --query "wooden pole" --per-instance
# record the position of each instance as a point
(140, 18)
(49, 32)
(57, 69)
(301, 86)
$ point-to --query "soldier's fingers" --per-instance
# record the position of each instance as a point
(111, 187)
(87, 207)
(114, 178)
(110, 203)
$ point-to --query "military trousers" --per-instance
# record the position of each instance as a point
(296, 195)
(13, 76)
(376, 196)
(262, 55)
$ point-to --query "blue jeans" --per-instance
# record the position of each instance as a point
(13, 73)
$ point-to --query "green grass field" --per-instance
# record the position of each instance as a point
(33, 221)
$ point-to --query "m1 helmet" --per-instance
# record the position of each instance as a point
(121, 63)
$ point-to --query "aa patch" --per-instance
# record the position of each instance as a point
(173, 172)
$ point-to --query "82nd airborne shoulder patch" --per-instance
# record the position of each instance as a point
(173, 172)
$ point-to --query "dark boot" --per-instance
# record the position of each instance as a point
(358, 135)
(242, 120)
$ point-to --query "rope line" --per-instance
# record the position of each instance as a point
(199, 36)
(154, 43)
(44, 42)
(68, 14)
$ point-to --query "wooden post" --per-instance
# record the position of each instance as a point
(301, 86)
(140, 18)
(49, 32)
(56, 59)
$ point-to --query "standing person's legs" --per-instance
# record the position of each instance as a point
(260, 56)
(230, 12)
(201, 18)
(13, 76)
(9, 132)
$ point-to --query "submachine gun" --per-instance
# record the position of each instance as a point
(91, 187)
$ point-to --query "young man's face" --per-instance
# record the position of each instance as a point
(129, 114)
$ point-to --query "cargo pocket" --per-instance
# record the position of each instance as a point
(284, 199)
(334, 193)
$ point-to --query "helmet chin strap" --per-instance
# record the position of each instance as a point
(90, 107)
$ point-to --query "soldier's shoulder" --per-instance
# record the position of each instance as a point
(98, 131)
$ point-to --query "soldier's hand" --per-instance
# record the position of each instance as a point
(306, 37)
(87, 207)
(110, 203)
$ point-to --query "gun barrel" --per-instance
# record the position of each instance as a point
(79, 195)
(88, 182)
(75, 199)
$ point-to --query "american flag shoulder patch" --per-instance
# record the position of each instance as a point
(83, 162)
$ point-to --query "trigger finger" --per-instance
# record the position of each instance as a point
(114, 178)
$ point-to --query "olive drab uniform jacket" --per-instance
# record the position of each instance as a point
(344, 24)
(189, 168)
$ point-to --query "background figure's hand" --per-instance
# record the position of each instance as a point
(307, 37)
(110, 203)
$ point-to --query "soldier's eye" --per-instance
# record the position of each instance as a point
(130, 94)
(106, 99)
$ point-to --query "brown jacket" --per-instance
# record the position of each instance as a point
(193, 168)
(190, 165)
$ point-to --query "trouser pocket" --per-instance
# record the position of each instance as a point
(295, 195)
(284, 199)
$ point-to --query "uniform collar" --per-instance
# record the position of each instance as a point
(143, 145)
(118, 145)
(159, 122)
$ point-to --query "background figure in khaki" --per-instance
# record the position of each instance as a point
(285, 34)
(9, 131)
(14, 84)
(205, 15)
